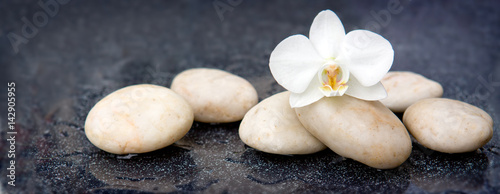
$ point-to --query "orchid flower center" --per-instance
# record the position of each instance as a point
(333, 78)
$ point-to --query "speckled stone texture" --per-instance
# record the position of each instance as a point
(91, 48)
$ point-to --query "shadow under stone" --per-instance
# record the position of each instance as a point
(159, 171)
(324, 171)
(441, 172)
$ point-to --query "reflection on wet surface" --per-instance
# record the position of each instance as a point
(211, 158)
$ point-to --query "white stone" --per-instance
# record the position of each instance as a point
(448, 126)
(138, 119)
(365, 131)
(215, 95)
(272, 126)
(405, 88)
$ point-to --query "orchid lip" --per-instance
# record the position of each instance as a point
(333, 78)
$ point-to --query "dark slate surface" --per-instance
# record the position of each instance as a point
(91, 48)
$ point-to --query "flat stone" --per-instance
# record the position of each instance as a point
(448, 126)
(405, 88)
(365, 131)
(138, 119)
(215, 95)
(273, 127)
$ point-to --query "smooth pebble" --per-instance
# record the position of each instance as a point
(365, 131)
(272, 126)
(215, 95)
(448, 126)
(405, 88)
(138, 119)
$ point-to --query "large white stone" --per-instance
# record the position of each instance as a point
(365, 131)
(272, 126)
(405, 88)
(448, 126)
(138, 119)
(215, 95)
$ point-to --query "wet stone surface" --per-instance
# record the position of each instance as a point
(90, 49)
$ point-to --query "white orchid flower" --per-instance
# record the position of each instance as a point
(331, 63)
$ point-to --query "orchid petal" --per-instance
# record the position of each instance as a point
(370, 56)
(357, 90)
(294, 63)
(311, 95)
(326, 34)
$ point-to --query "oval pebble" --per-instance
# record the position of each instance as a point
(365, 131)
(448, 126)
(138, 119)
(215, 95)
(273, 127)
(405, 88)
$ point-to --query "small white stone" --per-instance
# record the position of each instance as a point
(138, 119)
(448, 126)
(272, 126)
(405, 88)
(215, 95)
(365, 131)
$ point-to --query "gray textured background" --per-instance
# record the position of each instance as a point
(91, 48)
